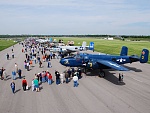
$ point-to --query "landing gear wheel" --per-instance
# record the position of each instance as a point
(102, 74)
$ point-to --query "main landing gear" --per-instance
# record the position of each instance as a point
(101, 74)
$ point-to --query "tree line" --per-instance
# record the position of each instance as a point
(86, 36)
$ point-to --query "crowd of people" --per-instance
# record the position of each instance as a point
(35, 54)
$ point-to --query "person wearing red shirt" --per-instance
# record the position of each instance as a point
(24, 84)
(49, 78)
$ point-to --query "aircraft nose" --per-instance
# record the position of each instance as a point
(62, 61)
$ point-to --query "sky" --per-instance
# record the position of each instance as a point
(75, 17)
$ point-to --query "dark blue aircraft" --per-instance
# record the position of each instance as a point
(96, 61)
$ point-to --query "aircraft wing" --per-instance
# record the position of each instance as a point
(112, 65)
(69, 50)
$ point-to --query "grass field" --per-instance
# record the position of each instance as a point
(6, 43)
(100, 45)
(113, 46)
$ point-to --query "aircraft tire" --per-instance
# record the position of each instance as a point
(102, 74)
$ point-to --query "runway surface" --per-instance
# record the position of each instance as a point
(93, 95)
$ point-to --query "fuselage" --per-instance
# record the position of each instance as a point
(79, 60)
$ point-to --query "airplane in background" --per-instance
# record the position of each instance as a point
(75, 48)
(69, 49)
(65, 50)
(42, 40)
(96, 61)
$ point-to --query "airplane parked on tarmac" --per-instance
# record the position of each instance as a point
(95, 61)
(75, 48)
(42, 40)
(69, 49)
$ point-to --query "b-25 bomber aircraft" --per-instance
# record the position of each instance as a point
(96, 61)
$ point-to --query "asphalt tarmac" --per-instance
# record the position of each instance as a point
(93, 95)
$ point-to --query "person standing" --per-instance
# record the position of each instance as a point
(40, 63)
(33, 86)
(75, 80)
(12, 54)
(49, 64)
(7, 55)
(36, 83)
(16, 67)
(61, 78)
(57, 77)
(35, 60)
(12, 85)
(1, 73)
(24, 84)
(79, 73)
(119, 80)
(30, 63)
(122, 77)
(28, 67)
(66, 76)
(4, 74)
(25, 64)
(49, 78)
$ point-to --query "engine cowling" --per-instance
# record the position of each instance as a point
(92, 64)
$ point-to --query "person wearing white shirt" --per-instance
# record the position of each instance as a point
(75, 80)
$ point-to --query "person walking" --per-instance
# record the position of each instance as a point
(19, 73)
(12, 85)
(24, 84)
(13, 75)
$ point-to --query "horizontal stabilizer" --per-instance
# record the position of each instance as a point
(112, 65)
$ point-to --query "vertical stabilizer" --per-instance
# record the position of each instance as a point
(144, 56)
(91, 46)
(124, 51)
(83, 44)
